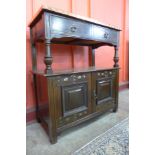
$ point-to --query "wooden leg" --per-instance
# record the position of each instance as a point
(115, 108)
(36, 98)
(48, 57)
(38, 120)
(116, 59)
(117, 91)
(52, 133)
(34, 68)
(52, 113)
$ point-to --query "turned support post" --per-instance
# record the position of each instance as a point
(92, 56)
(116, 58)
(48, 58)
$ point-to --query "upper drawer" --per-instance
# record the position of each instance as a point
(69, 27)
(104, 34)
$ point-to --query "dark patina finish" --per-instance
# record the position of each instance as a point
(68, 98)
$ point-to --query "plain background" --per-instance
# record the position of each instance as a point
(13, 77)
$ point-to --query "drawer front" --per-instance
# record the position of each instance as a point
(104, 89)
(104, 34)
(69, 27)
(73, 99)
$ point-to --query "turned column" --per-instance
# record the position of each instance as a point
(48, 58)
(92, 56)
(116, 58)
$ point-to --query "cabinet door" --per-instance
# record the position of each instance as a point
(103, 90)
(72, 97)
(104, 87)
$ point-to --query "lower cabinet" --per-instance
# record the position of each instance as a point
(76, 97)
(79, 95)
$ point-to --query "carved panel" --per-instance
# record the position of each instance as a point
(72, 78)
(74, 98)
(68, 119)
(106, 74)
(104, 90)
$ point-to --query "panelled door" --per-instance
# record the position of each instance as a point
(103, 90)
(72, 97)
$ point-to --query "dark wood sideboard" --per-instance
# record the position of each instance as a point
(68, 98)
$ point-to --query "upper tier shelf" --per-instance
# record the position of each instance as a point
(73, 71)
(64, 28)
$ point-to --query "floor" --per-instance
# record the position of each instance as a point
(37, 142)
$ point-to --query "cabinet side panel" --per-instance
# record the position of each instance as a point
(42, 96)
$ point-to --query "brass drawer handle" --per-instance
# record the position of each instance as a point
(94, 93)
(106, 35)
(102, 82)
(73, 29)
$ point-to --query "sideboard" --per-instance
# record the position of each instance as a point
(69, 97)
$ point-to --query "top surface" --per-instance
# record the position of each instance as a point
(61, 12)
(74, 71)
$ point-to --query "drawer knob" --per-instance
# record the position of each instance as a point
(84, 76)
(73, 29)
(79, 77)
(94, 93)
(66, 79)
(106, 35)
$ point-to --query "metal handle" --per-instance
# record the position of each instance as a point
(73, 29)
(106, 35)
(102, 82)
(94, 93)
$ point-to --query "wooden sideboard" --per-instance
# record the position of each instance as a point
(67, 98)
